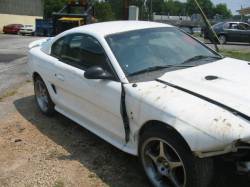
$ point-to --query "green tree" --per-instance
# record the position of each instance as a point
(206, 5)
(51, 6)
(157, 5)
(222, 10)
(117, 8)
(174, 8)
(103, 11)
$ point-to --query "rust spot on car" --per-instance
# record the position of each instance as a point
(158, 98)
(241, 126)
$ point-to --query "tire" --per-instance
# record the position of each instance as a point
(43, 99)
(175, 163)
(222, 39)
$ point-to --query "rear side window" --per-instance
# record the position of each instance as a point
(57, 48)
(233, 26)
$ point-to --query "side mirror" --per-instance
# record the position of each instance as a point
(97, 72)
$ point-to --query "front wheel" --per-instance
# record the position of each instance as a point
(42, 96)
(168, 162)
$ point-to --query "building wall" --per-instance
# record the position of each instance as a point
(6, 19)
(22, 7)
(20, 12)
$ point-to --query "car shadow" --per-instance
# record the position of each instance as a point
(111, 165)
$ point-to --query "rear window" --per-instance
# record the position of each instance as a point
(218, 25)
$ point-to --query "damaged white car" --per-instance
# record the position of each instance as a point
(151, 90)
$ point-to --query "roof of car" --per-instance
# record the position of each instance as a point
(112, 27)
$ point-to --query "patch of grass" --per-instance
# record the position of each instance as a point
(236, 54)
(7, 94)
(59, 184)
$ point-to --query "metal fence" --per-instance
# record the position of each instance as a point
(22, 7)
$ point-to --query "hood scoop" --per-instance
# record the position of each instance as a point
(211, 77)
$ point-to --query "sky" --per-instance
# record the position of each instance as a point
(232, 4)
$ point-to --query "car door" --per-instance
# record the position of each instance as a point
(95, 104)
(233, 33)
(245, 32)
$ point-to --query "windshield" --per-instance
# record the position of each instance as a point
(145, 49)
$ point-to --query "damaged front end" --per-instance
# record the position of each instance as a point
(238, 154)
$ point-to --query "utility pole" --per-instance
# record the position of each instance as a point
(209, 26)
(125, 5)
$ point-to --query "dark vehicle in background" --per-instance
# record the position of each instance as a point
(230, 32)
(44, 27)
(12, 28)
(187, 29)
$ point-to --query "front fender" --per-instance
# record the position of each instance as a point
(204, 126)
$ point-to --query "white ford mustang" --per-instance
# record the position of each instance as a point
(151, 90)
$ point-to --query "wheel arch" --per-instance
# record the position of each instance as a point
(155, 124)
(35, 75)
(222, 34)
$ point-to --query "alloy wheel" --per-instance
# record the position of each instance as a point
(41, 95)
(222, 39)
(162, 163)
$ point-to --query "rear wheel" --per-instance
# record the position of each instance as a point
(222, 39)
(42, 96)
(168, 162)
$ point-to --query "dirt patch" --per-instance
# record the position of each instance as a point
(40, 151)
(7, 94)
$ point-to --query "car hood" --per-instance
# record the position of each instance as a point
(226, 82)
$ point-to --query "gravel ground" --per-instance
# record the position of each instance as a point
(40, 151)
(13, 57)
(56, 152)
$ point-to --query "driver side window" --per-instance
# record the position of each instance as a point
(81, 51)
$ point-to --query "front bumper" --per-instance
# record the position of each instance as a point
(240, 156)
(26, 32)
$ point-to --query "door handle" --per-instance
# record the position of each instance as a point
(59, 77)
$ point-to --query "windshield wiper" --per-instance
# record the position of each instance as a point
(200, 57)
(155, 68)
